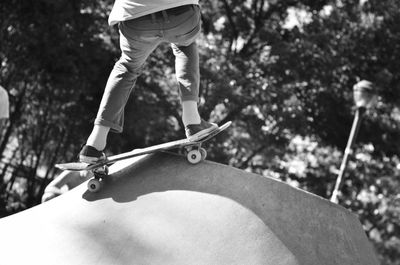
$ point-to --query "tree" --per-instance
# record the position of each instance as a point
(50, 66)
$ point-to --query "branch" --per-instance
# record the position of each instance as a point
(246, 161)
(229, 15)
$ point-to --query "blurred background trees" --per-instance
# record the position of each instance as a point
(282, 71)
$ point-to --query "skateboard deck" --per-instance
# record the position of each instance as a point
(193, 155)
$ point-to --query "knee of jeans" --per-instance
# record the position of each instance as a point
(128, 65)
(187, 41)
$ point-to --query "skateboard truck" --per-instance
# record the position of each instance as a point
(96, 183)
(195, 153)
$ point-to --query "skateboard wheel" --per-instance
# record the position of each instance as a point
(94, 185)
(194, 156)
(203, 153)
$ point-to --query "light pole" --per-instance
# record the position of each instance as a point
(4, 108)
(364, 98)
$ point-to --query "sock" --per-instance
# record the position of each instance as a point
(190, 113)
(98, 137)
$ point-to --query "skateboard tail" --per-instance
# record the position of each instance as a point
(73, 166)
(79, 166)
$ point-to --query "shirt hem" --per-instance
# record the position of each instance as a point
(113, 21)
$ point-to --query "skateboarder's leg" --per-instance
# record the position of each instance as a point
(136, 46)
(188, 77)
(183, 43)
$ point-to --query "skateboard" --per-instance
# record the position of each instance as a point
(193, 150)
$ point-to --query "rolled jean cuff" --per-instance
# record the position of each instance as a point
(189, 98)
(113, 126)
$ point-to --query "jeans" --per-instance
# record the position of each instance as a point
(138, 38)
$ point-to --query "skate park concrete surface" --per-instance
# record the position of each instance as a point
(159, 209)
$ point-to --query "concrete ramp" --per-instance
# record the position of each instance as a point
(162, 210)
